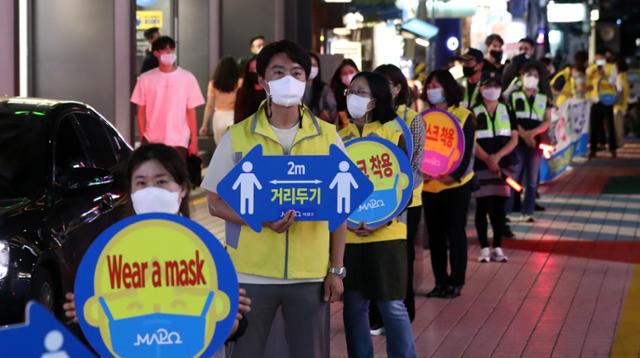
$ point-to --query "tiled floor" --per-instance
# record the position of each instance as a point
(570, 289)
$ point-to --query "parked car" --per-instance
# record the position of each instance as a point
(62, 183)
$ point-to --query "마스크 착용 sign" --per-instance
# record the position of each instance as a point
(388, 167)
(156, 285)
(42, 335)
(318, 188)
(444, 143)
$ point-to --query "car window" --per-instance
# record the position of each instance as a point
(121, 148)
(23, 159)
(97, 143)
(68, 152)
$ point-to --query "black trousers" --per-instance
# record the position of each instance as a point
(413, 221)
(600, 116)
(446, 216)
(494, 207)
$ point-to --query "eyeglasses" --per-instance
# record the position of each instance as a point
(357, 93)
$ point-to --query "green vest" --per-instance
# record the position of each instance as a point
(466, 101)
(490, 127)
(527, 113)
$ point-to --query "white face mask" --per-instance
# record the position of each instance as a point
(491, 93)
(435, 95)
(357, 105)
(346, 79)
(155, 200)
(286, 91)
(530, 82)
(314, 72)
(168, 59)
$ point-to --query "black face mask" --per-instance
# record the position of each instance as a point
(497, 55)
(468, 71)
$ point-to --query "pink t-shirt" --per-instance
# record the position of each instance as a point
(167, 96)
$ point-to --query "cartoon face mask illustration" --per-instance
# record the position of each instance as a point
(380, 203)
(142, 336)
(156, 291)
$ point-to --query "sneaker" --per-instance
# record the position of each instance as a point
(498, 256)
(512, 218)
(377, 331)
(527, 219)
(485, 255)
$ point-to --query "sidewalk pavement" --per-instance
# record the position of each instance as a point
(571, 287)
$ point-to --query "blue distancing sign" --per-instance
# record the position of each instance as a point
(42, 335)
(317, 187)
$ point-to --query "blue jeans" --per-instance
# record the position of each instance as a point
(396, 324)
(526, 173)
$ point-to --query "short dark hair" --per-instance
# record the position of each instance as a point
(163, 42)
(295, 53)
(394, 74)
(380, 93)
(453, 93)
(259, 37)
(493, 37)
(528, 66)
(148, 33)
(528, 40)
(225, 76)
(167, 157)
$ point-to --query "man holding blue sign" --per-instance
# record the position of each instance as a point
(291, 261)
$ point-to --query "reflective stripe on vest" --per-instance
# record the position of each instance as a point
(539, 106)
(466, 101)
(302, 252)
(497, 126)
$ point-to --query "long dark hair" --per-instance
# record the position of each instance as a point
(225, 76)
(317, 85)
(248, 98)
(170, 160)
(453, 93)
(394, 74)
(338, 87)
(383, 111)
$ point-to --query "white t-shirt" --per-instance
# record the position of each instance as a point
(222, 163)
(166, 97)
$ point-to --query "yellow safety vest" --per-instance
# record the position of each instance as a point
(568, 89)
(396, 229)
(302, 252)
(436, 186)
(600, 85)
(408, 115)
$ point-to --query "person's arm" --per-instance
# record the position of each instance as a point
(218, 208)
(546, 123)
(208, 111)
(193, 129)
(142, 121)
(333, 286)
(469, 130)
(508, 148)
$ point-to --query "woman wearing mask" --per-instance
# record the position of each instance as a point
(159, 182)
(496, 138)
(221, 98)
(375, 257)
(400, 93)
(339, 83)
(250, 94)
(446, 198)
(318, 96)
(533, 117)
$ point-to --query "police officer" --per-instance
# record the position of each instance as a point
(472, 70)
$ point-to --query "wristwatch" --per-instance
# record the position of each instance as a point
(339, 271)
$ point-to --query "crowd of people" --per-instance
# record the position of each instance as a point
(276, 98)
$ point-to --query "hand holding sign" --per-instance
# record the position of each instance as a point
(444, 143)
(264, 189)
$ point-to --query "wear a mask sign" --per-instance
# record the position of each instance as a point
(156, 285)
(389, 169)
(444, 143)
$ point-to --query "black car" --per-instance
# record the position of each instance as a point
(61, 184)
